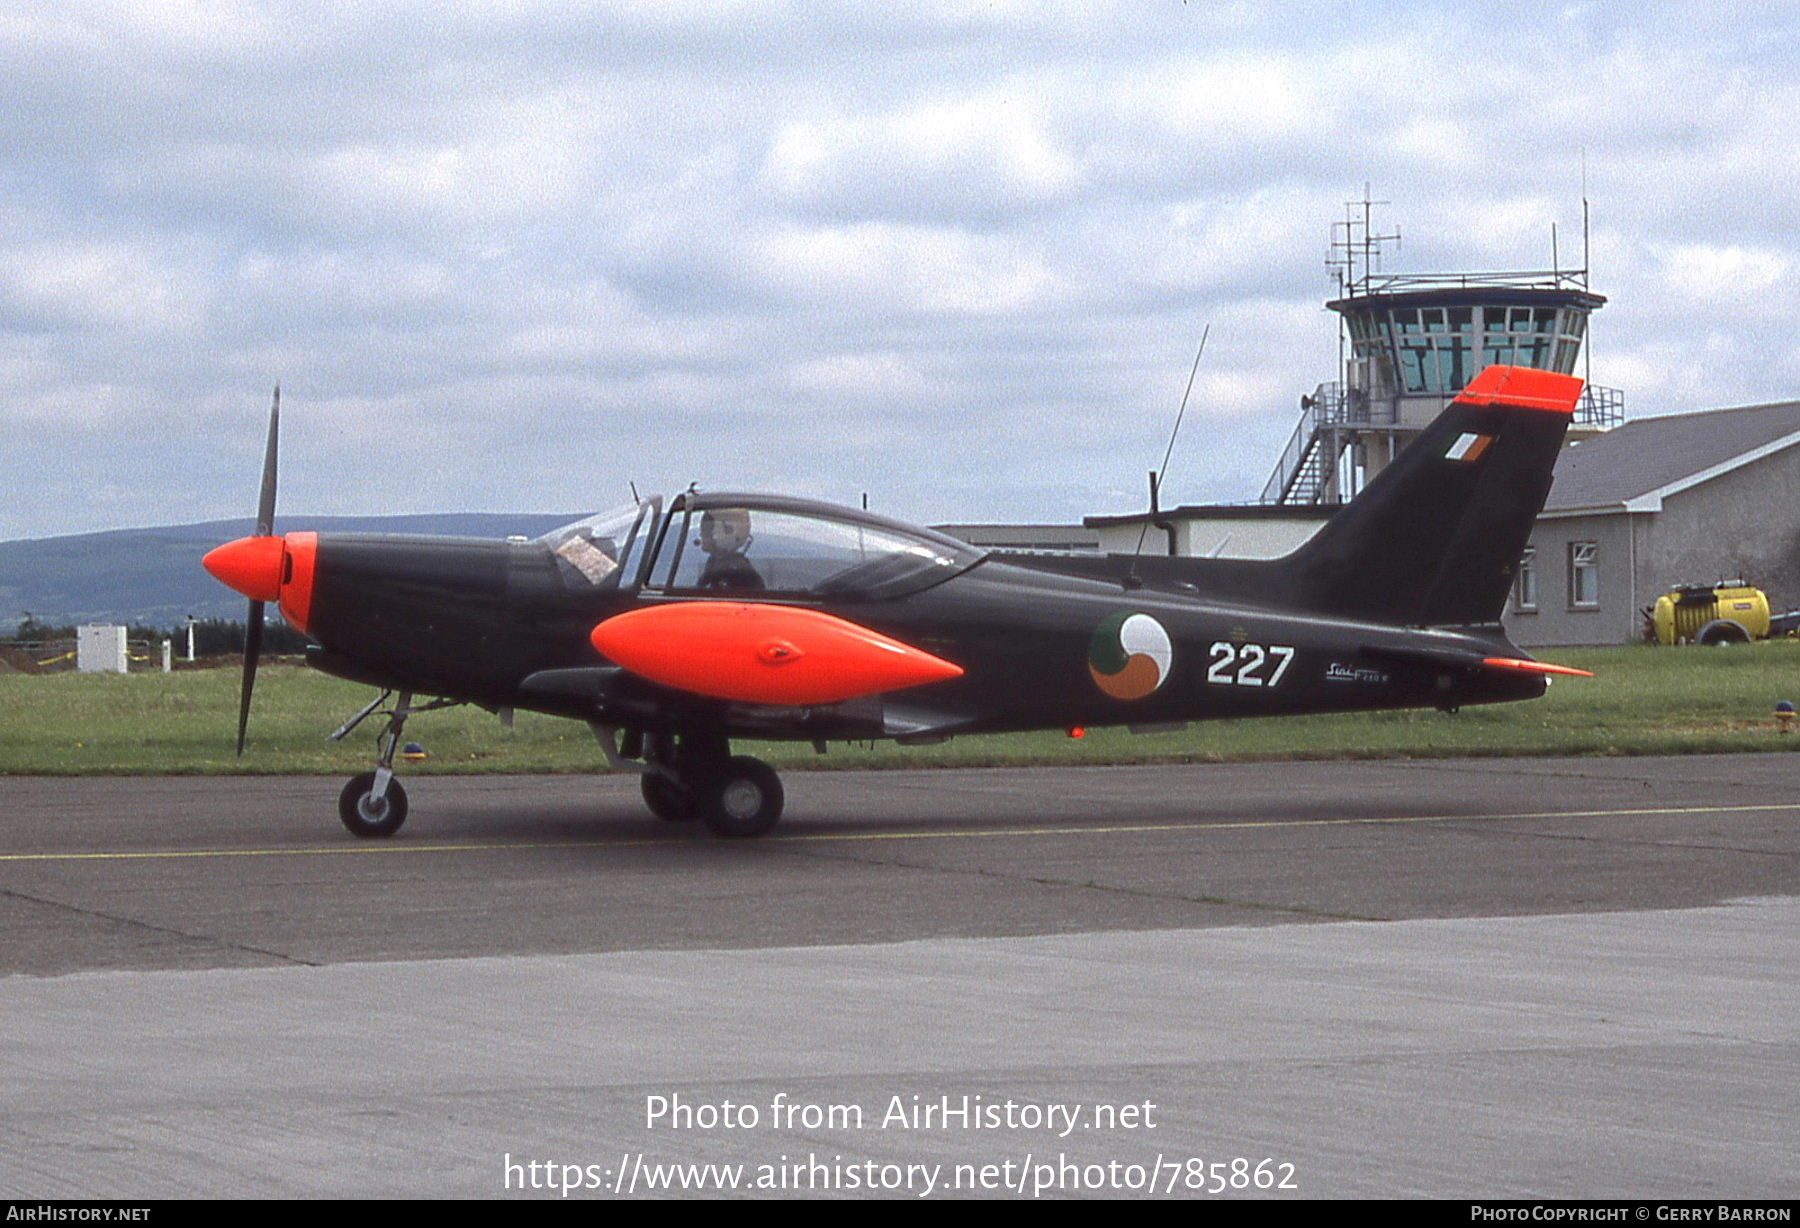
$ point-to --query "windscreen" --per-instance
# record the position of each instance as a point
(604, 550)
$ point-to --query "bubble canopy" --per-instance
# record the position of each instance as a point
(745, 545)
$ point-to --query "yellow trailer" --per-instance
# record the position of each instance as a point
(1729, 612)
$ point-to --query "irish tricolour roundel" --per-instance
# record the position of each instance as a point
(1130, 656)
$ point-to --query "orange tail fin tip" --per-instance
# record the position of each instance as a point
(1527, 387)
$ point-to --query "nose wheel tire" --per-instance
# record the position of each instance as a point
(744, 800)
(367, 816)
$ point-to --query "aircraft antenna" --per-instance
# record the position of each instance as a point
(1587, 351)
(1586, 264)
(1156, 476)
(1185, 394)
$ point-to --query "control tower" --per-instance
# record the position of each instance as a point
(1408, 343)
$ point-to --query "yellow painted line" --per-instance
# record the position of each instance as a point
(1126, 829)
(847, 837)
(328, 851)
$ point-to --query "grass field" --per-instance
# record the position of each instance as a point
(1644, 701)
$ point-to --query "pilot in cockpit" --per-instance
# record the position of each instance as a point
(725, 536)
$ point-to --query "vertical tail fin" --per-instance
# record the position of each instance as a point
(1434, 538)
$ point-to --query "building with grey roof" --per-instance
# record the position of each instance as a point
(1686, 498)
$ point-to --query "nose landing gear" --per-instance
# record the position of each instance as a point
(373, 804)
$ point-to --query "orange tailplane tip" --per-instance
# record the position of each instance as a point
(1517, 666)
(1526, 387)
(763, 654)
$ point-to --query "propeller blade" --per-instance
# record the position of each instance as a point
(253, 634)
(265, 508)
(265, 526)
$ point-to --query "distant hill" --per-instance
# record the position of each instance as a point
(153, 577)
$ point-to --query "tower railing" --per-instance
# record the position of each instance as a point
(1600, 407)
(1304, 472)
(1400, 283)
(1301, 476)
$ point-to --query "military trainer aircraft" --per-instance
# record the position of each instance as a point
(671, 628)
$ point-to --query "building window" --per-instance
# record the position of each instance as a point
(1584, 576)
(1525, 592)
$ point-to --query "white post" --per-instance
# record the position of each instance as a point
(168, 656)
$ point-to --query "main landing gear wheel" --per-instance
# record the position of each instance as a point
(366, 815)
(744, 799)
(667, 800)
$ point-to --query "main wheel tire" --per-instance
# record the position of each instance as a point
(366, 817)
(1723, 632)
(745, 800)
(667, 800)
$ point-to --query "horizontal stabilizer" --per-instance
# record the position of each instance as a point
(1517, 666)
(1460, 658)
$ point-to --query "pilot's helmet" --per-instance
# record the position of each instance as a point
(724, 530)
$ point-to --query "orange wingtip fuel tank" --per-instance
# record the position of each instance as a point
(763, 654)
(270, 569)
(1524, 386)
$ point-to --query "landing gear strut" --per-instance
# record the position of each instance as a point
(373, 805)
(696, 776)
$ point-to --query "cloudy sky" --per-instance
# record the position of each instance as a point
(509, 255)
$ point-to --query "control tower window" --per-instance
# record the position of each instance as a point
(1568, 345)
(1455, 351)
(1435, 346)
(1416, 365)
(1542, 337)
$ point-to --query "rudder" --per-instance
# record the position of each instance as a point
(1434, 539)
